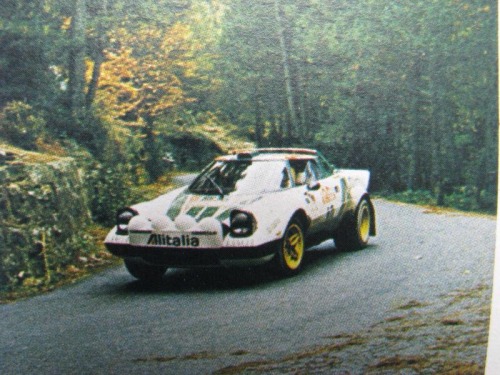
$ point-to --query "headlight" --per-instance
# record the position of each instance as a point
(242, 224)
(123, 217)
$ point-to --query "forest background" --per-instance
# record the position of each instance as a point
(407, 89)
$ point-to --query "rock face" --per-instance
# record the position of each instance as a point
(43, 216)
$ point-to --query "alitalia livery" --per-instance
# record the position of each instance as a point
(244, 209)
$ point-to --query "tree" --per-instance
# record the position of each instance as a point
(76, 65)
(26, 40)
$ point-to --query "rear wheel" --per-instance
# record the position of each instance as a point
(354, 231)
(290, 252)
(143, 271)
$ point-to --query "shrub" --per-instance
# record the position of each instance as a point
(20, 124)
(108, 188)
(414, 196)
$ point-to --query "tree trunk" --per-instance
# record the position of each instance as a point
(259, 126)
(98, 53)
(152, 163)
(286, 69)
(76, 85)
(303, 105)
(416, 117)
(94, 81)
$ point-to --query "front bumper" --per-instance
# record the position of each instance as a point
(199, 257)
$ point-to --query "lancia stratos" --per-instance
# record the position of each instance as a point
(247, 209)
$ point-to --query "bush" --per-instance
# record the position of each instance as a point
(108, 180)
(488, 201)
(192, 151)
(414, 197)
(21, 125)
(465, 198)
(109, 189)
(462, 198)
(469, 198)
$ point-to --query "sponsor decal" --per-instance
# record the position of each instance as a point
(246, 202)
(194, 198)
(327, 195)
(184, 240)
(224, 215)
(175, 208)
(208, 212)
(310, 197)
(210, 198)
(193, 211)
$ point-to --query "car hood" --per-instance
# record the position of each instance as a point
(182, 202)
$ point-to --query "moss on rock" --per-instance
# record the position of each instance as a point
(43, 217)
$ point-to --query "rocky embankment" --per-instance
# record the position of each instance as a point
(43, 217)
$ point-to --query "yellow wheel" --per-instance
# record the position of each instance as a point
(291, 249)
(363, 222)
(354, 231)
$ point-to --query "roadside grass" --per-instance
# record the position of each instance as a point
(459, 202)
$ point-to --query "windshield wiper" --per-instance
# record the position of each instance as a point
(216, 185)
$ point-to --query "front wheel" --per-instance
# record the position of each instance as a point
(290, 253)
(354, 231)
(143, 271)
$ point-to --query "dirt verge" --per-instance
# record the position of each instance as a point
(446, 336)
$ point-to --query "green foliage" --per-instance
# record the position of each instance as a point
(153, 162)
(109, 189)
(192, 152)
(468, 198)
(464, 198)
(108, 180)
(44, 215)
(407, 89)
(21, 125)
(414, 197)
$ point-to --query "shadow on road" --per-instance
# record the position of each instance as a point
(225, 279)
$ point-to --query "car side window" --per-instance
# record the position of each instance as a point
(286, 181)
(321, 169)
(312, 172)
(324, 167)
(298, 171)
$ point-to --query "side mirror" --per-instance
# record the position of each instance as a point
(315, 185)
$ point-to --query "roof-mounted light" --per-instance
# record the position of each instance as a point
(245, 156)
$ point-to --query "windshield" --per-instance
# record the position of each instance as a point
(241, 177)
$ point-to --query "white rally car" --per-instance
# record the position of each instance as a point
(244, 209)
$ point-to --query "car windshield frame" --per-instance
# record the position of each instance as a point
(242, 177)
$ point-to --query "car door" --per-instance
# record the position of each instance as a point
(313, 195)
(332, 191)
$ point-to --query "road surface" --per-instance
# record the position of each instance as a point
(199, 321)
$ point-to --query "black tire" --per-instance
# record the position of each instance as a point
(144, 272)
(354, 230)
(290, 252)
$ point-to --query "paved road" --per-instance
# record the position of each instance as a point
(201, 321)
